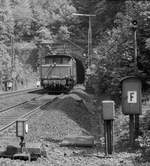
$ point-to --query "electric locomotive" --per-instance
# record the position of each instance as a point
(58, 72)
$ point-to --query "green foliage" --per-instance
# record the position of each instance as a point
(144, 142)
(116, 59)
(144, 139)
(6, 27)
(63, 33)
(23, 24)
(22, 11)
(143, 36)
(105, 12)
(115, 52)
(29, 22)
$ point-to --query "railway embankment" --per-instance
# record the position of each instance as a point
(75, 114)
(68, 115)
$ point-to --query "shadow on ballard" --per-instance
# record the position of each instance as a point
(76, 110)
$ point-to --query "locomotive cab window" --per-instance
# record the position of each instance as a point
(57, 60)
(66, 60)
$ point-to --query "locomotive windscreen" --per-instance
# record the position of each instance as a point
(57, 60)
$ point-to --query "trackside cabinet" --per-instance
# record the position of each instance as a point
(131, 95)
(108, 109)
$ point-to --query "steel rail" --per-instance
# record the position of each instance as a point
(16, 105)
(18, 92)
(25, 115)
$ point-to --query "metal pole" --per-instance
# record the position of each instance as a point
(135, 49)
(135, 61)
(13, 62)
(41, 53)
(89, 42)
(89, 35)
(12, 51)
(131, 129)
(137, 125)
(108, 135)
(105, 136)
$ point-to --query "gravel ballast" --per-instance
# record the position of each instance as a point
(68, 116)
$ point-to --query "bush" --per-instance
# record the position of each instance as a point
(144, 142)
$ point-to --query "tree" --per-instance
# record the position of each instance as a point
(105, 12)
(6, 28)
(115, 52)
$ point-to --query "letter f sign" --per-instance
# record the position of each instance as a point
(132, 97)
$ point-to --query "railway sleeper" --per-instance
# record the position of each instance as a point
(78, 141)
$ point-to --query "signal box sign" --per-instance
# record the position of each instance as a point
(131, 95)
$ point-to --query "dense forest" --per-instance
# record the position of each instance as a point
(23, 23)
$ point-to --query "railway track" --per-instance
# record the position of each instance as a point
(19, 92)
(12, 99)
(15, 105)
(9, 115)
(23, 110)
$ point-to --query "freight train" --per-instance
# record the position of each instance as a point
(58, 72)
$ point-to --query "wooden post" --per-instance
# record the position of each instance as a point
(112, 133)
(136, 126)
(108, 132)
(131, 129)
(105, 136)
(109, 137)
